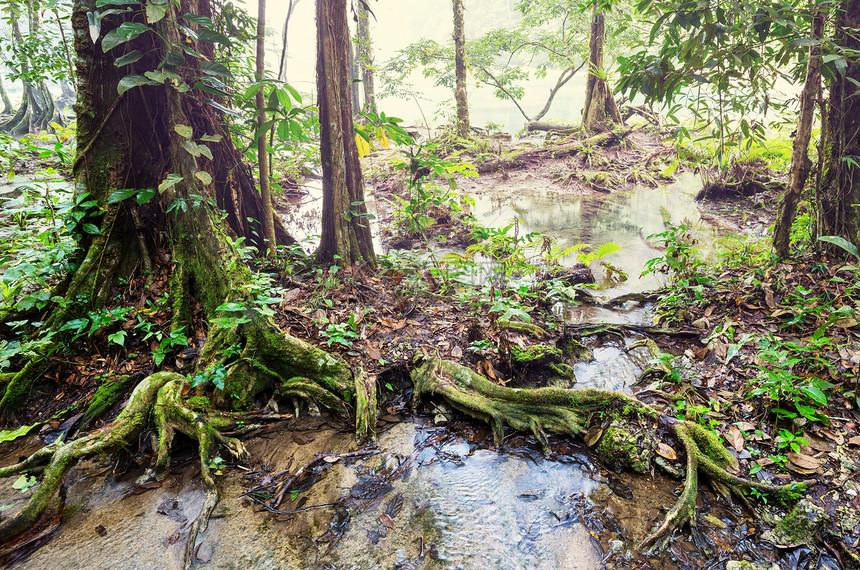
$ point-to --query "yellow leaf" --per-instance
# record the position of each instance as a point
(382, 137)
(666, 451)
(363, 147)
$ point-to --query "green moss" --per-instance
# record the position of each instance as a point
(619, 449)
(200, 403)
(563, 370)
(537, 355)
(107, 395)
(800, 526)
(17, 391)
(573, 349)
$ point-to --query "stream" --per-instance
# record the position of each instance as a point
(434, 495)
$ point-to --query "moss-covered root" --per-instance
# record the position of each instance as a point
(17, 390)
(123, 430)
(706, 455)
(269, 357)
(568, 411)
(538, 410)
(365, 407)
(172, 415)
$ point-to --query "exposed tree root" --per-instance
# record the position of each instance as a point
(630, 430)
(158, 395)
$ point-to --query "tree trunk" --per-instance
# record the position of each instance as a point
(262, 153)
(838, 197)
(282, 67)
(4, 97)
(346, 236)
(460, 70)
(600, 109)
(355, 77)
(365, 58)
(800, 163)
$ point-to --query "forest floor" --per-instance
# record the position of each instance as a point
(765, 353)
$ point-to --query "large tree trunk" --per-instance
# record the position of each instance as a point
(262, 151)
(838, 196)
(460, 70)
(365, 58)
(600, 109)
(800, 163)
(132, 141)
(346, 233)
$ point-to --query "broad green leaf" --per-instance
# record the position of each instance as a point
(184, 131)
(203, 177)
(169, 182)
(118, 338)
(90, 229)
(195, 19)
(130, 57)
(211, 36)
(121, 195)
(154, 11)
(11, 435)
(841, 242)
(101, 3)
(293, 92)
(174, 58)
(126, 31)
(197, 150)
(817, 395)
(284, 99)
(284, 130)
(145, 195)
(130, 81)
(215, 68)
(24, 483)
(211, 138)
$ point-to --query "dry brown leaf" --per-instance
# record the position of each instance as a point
(736, 438)
(386, 520)
(456, 352)
(854, 440)
(373, 352)
(592, 436)
(765, 461)
(710, 310)
(803, 461)
(331, 458)
(664, 450)
(768, 296)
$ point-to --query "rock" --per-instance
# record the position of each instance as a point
(747, 565)
(800, 526)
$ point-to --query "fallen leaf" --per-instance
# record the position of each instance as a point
(331, 458)
(386, 520)
(854, 440)
(373, 352)
(664, 450)
(736, 438)
(803, 461)
(456, 352)
(593, 435)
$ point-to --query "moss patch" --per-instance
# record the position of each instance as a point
(110, 393)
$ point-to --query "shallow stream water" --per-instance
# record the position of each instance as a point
(468, 505)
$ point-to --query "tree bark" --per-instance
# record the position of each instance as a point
(838, 197)
(346, 236)
(355, 77)
(365, 58)
(282, 66)
(600, 109)
(800, 163)
(4, 97)
(262, 152)
(460, 70)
